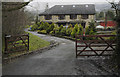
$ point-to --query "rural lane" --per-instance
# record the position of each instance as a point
(59, 60)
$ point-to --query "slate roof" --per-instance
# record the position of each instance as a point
(70, 9)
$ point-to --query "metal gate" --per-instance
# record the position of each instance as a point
(95, 45)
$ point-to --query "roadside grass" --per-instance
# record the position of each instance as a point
(35, 43)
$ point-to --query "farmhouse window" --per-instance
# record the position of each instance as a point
(84, 16)
(48, 17)
(73, 16)
(61, 17)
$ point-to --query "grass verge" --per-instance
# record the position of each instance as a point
(36, 42)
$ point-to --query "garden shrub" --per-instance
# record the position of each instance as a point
(34, 27)
(92, 26)
(60, 28)
(27, 26)
(90, 30)
(63, 31)
(38, 24)
(51, 27)
(113, 33)
(81, 27)
(87, 31)
(56, 30)
(80, 30)
(38, 31)
(41, 27)
(30, 28)
(46, 26)
(42, 31)
(68, 31)
(48, 30)
(110, 28)
(76, 27)
(70, 26)
(73, 32)
(51, 32)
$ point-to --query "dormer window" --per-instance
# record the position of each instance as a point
(73, 5)
(48, 17)
(86, 5)
(62, 6)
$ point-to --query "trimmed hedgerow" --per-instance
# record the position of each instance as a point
(46, 28)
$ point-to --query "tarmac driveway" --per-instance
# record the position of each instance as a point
(59, 60)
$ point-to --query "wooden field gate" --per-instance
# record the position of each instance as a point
(95, 45)
(16, 43)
